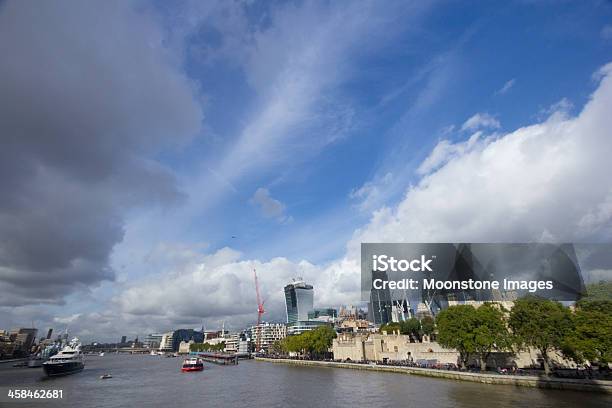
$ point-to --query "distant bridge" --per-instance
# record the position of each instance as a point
(128, 350)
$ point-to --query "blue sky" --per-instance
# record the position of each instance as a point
(278, 135)
(402, 91)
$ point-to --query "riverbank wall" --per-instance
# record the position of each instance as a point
(13, 360)
(600, 386)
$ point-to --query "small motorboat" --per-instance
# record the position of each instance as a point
(105, 376)
(192, 364)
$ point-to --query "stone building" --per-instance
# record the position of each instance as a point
(397, 347)
(388, 347)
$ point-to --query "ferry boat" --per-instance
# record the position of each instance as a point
(68, 361)
(192, 364)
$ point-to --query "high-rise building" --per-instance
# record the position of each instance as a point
(299, 301)
(123, 339)
(380, 306)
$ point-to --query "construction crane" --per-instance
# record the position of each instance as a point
(260, 312)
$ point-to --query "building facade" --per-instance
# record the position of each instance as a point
(185, 346)
(266, 334)
(166, 341)
(299, 298)
(389, 347)
(153, 340)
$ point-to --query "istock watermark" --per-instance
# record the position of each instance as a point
(445, 273)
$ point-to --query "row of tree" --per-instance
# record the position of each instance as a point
(544, 325)
(413, 327)
(314, 343)
(207, 347)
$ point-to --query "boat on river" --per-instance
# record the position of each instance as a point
(192, 364)
(68, 361)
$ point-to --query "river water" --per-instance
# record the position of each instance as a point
(154, 381)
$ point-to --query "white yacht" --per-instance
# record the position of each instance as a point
(68, 361)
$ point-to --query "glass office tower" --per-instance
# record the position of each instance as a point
(299, 300)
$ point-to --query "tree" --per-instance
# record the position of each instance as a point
(428, 325)
(456, 327)
(596, 292)
(541, 324)
(320, 340)
(390, 327)
(490, 333)
(473, 331)
(315, 342)
(591, 338)
(277, 348)
(412, 328)
(207, 347)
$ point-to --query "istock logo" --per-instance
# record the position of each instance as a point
(385, 263)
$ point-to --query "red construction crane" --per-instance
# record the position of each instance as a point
(260, 312)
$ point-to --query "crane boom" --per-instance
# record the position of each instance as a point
(260, 312)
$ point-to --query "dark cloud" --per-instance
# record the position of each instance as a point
(89, 93)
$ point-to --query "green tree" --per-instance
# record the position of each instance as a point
(428, 325)
(207, 347)
(320, 340)
(490, 332)
(278, 348)
(412, 328)
(591, 338)
(456, 329)
(315, 342)
(541, 324)
(390, 327)
(597, 292)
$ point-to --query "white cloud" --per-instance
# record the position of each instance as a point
(371, 193)
(216, 287)
(506, 87)
(446, 150)
(481, 121)
(67, 319)
(545, 180)
(559, 110)
(269, 206)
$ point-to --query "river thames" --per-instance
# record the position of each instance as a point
(154, 381)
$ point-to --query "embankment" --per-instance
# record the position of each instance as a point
(517, 380)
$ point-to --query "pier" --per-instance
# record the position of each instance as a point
(218, 358)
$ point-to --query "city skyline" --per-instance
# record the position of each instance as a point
(154, 155)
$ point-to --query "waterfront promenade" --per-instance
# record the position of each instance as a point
(599, 386)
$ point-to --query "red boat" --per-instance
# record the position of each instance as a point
(193, 364)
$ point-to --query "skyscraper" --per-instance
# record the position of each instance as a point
(380, 306)
(299, 301)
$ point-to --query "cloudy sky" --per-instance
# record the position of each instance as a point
(153, 153)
